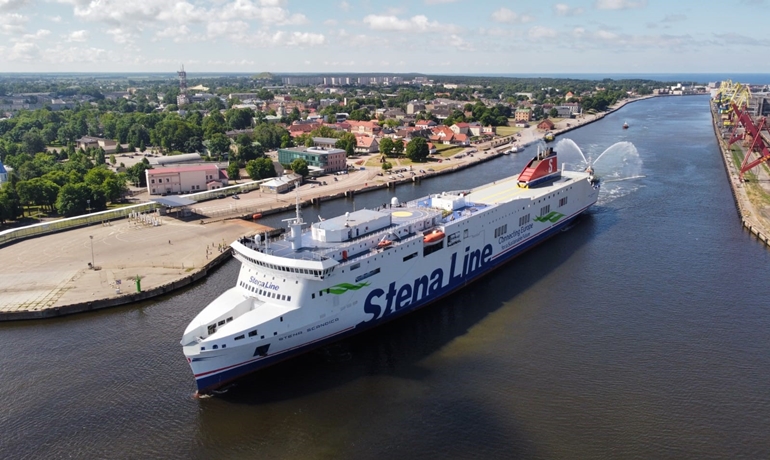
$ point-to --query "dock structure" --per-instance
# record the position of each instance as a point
(751, 211)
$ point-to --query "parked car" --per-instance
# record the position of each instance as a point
(236, 197)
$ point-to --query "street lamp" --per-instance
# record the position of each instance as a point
(88, 203)
(93, 266)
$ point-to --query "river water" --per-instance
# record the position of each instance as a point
(642, 332)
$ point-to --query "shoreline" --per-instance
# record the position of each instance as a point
(174, 281)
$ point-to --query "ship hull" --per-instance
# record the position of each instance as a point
(218, 370)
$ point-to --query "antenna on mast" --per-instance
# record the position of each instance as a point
(295, 225)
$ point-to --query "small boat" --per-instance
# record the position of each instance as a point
(434, 237)
(548, 137)
(384, 244)
(625, 125)
(514, 149)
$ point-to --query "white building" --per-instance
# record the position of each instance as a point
(185, 179)
(3, 173)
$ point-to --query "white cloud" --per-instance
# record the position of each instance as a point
(305, 39)
(40, 34)
(509, 16)
(23, 51)
(619, 4)
(417, 23)
(54, 18)
(12, 23)
(8, 5)
(438, 2)
(344, 6)
(76, 55)
(246, 9)
(232, 29)
(459, 43)
(562, 9)
(77, 36)
(540, 32)
(179, 34)
(606, 35)
(330, 22)
(121, 36)
(578, 32)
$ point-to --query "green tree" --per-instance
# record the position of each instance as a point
(553, 113)
(386, 166)
(299, 166)
(386, 146)
(398, 147)
(32, 142)
(213, 124)
(233, 171)
(261, 168)
(136, 174)
(219, 144)
(9, 203)
(417, 150)
(113, 161)
(239, 118)
(73, 199)
(348, 143)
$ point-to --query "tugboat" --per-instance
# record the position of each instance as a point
(625, 125)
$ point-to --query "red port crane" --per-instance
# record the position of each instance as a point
(757, 144)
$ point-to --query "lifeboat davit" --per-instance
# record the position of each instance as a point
(433, 237)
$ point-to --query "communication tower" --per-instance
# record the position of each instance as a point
(182, 99)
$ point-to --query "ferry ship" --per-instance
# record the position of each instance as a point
(344, 275)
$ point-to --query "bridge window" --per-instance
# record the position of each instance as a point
(240, 337)
(252, 333)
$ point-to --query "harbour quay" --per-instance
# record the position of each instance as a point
(105, 265)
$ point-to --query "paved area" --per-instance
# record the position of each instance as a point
(54, 270)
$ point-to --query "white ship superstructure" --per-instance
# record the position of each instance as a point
(345, 274)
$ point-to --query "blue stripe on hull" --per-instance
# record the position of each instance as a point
(212, 382)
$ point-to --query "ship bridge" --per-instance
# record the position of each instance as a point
(334, 241)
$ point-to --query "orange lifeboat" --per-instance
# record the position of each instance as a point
(433, 237)
(384, 244)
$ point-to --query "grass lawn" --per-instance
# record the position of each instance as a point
(503, 131)
(446, 151)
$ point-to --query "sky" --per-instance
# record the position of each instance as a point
(395, 36)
